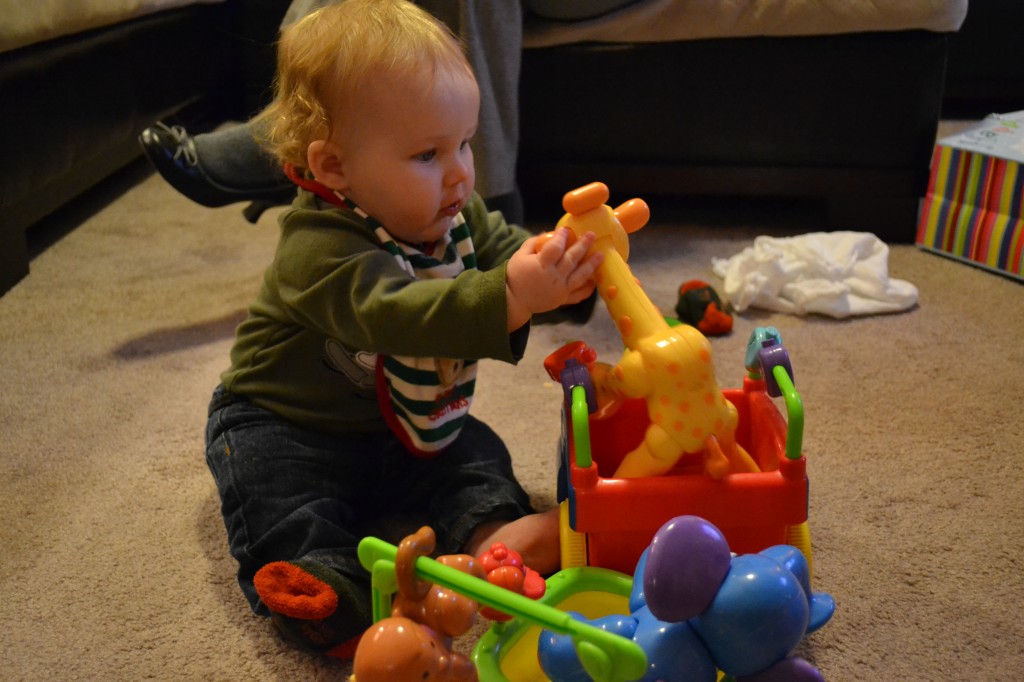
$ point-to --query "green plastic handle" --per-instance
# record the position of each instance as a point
(580, 427)
(794, 411)
(605, 656)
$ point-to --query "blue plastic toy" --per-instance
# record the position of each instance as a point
(697, 610)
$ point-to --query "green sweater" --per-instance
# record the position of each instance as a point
(333, 298)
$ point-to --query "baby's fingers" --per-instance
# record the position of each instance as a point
(576, 255)
(581, 293)
(550, 246)
(583, 275)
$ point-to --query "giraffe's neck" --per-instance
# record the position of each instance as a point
(630, 308)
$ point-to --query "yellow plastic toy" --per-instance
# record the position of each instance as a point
(669, 366)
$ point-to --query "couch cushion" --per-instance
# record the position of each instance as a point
(671, 20)
(570, 10)
(27, 23)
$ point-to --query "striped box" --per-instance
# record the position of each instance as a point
(973, 208)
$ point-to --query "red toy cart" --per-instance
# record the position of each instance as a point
(608, 521)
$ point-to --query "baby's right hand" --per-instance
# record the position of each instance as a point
(555, 274)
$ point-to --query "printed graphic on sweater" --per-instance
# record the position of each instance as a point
(359, 367)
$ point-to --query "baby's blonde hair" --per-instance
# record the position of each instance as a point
(324, 59)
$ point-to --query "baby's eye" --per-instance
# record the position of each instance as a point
(426, 156)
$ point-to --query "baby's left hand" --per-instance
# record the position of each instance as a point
(548, 273)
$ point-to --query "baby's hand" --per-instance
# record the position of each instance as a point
(545, 278)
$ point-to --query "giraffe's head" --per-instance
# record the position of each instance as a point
(586, 211)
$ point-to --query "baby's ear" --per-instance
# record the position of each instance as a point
(324, 159)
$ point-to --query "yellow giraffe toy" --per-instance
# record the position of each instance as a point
(671, 367)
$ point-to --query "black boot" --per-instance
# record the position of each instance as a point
(172, 152)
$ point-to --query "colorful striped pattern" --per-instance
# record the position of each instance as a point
(435, 422)
(426, 400)
(972, 210)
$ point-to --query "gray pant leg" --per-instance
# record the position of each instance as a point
(232, 158)
(492, 31)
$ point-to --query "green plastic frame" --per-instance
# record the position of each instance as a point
(605, 656)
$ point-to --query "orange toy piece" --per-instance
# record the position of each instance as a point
(504, 567)
(700, 306)
(670, 367)
(415, 642)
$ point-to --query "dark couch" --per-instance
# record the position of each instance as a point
(983, 75)
(74, 106)
(846, 123)
(825, 117)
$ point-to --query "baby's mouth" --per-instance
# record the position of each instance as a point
(452, 209)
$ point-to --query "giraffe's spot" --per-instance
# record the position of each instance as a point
(611, 292)
(697, 432)
(678, 426)
(719, 425)
(673, 368)
(709, 398)
(684, 407)
(626, 325)
(665, 400)
(705, 355)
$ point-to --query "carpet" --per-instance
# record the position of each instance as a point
(113, 559)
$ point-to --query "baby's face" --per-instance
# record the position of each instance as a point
(406, 153)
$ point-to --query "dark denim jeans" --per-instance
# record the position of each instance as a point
(288, 493)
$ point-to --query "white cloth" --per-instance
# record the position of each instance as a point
(838, 274)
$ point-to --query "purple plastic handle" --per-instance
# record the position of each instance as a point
(575, 374)
(772, 355)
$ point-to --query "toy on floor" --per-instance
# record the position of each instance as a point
(504, 567)
(608, 521)
(414, 643)
(699, 305)
(670, 367)
(604, 657)
(695, 608)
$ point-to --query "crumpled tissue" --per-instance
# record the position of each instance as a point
(839, 274)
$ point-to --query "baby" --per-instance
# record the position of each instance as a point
(349, 391)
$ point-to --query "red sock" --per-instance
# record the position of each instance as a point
(294, 592)
(304, 597)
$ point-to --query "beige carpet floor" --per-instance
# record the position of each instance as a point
(113, 563)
